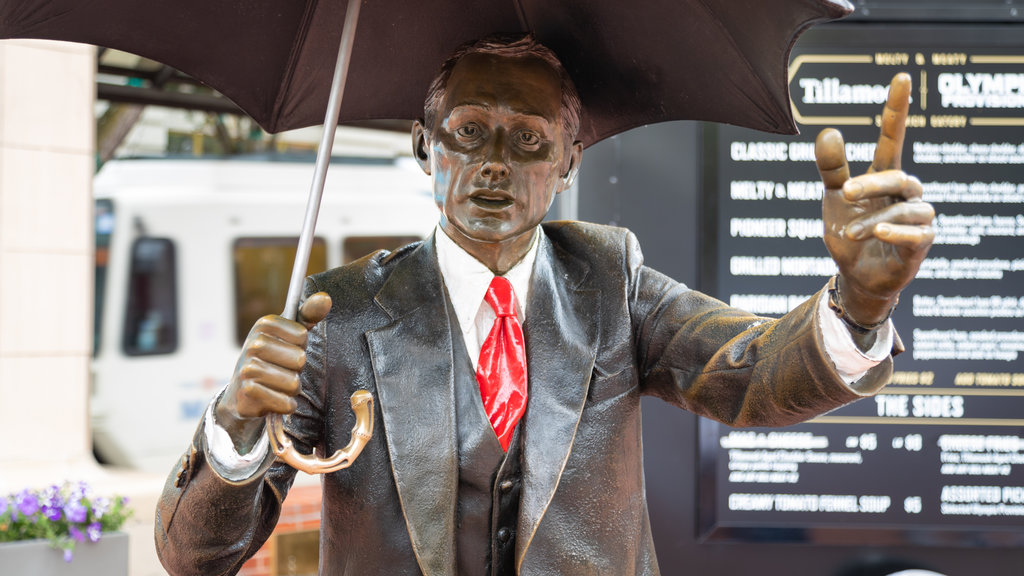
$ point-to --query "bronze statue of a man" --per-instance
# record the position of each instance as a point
(450, 485)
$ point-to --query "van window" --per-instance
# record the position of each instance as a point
(263, 267)
(103, 228)
(355, 247)
(151, 321)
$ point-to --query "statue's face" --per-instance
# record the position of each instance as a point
(497, 153)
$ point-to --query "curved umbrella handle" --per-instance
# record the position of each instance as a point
(362, 406)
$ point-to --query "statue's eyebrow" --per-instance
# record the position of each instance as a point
(487, 106)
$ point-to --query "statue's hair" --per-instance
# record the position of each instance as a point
(513, 46)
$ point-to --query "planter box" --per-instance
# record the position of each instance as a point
(108, 557)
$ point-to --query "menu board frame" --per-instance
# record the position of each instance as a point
(925, 49)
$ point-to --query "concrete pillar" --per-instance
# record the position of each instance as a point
(46, 282)
(46, 166)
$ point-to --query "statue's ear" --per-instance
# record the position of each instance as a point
(419, 146)
(574, 158)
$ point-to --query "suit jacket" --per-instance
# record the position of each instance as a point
(601, 330)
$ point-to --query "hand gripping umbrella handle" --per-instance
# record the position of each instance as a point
(362, 401)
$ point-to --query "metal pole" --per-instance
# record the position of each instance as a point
(362, 401)
(323, 159)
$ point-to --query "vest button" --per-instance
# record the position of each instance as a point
(505, 486)
(504, 534)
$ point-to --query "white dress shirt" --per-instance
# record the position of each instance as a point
(467, 279)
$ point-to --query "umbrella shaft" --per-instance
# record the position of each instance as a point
(323, 160)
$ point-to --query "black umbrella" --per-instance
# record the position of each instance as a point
(633, 64)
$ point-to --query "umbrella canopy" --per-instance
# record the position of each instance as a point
(716, 60)
(634, 63)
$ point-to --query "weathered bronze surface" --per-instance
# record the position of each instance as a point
(602, 330)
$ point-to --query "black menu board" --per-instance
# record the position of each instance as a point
(938, 456)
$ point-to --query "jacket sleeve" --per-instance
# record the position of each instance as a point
(208, 525)
(697, 353)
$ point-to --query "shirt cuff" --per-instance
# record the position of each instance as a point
(225, 460)
(850, 361)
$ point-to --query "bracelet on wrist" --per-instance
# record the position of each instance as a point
(835, 304)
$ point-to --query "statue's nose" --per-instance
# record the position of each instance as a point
(495, 166)
(494, 170)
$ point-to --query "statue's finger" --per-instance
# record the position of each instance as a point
(269, 349)
(880, 222)
(830, 156)
(280, 328)
(314, 309)
(889, 151)
(905, 236)
(894, 184)
(271, 375)
(256, 400)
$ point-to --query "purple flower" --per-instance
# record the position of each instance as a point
(52, 513)
(76, 534)
(100, 506)
(65, 514)
(27, 502)
(93, 531)
(75, 511)
(52, 503)
(81, 490)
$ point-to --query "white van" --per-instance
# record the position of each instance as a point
(189, 253)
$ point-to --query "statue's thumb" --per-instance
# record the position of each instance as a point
(314, 309)
(830, 155)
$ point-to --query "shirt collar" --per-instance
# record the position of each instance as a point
(467, 278)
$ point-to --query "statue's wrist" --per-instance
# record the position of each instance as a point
(862, 313)
(244, 432)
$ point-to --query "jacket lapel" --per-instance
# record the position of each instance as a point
(413, 367)
(561, 346)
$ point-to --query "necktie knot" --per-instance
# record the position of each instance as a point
(501, 297)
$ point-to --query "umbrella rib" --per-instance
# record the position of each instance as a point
(20, 21)
(765, 91)
(524, 22)
(296, 51)
(834, 9)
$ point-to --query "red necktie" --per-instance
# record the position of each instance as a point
(501, 370)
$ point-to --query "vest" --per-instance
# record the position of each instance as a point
(490, 480)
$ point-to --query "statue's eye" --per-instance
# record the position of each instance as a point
(528, 138)
(468, 131)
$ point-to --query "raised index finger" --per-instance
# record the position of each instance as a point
(894, 125)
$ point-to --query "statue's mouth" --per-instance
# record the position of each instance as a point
(491, 199)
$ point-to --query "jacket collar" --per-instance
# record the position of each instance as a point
(561, 347)
(413, 368)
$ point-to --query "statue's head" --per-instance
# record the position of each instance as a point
(498, 139)
(513, 46)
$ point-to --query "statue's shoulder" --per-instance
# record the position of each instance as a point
(361, 279)
(584, 239)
